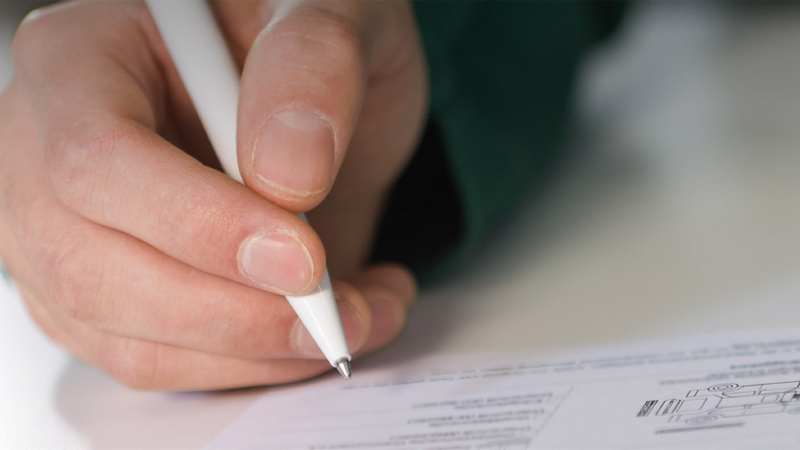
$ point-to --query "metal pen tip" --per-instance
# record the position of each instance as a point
(343, 366)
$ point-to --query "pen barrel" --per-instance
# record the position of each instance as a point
(208, 72)
(320, 315)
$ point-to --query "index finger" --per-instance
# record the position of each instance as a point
(99, 96)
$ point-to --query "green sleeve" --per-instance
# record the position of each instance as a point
(501, 76)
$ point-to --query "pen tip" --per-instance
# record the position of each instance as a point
(343, 366)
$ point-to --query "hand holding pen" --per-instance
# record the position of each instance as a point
(163, 271)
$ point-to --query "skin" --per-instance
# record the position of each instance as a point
(131, 248)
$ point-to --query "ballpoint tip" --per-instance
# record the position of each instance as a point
(343, 366)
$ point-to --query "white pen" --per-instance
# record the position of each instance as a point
(199, 52)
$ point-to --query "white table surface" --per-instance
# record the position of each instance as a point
(677, 212)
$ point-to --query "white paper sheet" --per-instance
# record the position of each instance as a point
(721, 391)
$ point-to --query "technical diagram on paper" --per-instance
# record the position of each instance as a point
(728, 400)
(721, 391)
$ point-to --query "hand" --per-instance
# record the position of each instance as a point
(138, 256)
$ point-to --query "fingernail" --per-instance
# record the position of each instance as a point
(277, 261)
(351, 323)
(295, 152)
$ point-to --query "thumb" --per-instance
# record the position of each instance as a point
(301, 92)
(325, 79)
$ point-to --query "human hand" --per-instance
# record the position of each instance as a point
(137, 256)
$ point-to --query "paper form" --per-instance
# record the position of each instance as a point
(721, 391)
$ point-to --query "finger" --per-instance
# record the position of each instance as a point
(148, 365)
(11, 257)
(155, 366)
(104, 160)
(302, 88)
(112, 282)
(14, 112)
(47, 324)
(332, 91)
(393, 277)
(348, 300)
(390, 291)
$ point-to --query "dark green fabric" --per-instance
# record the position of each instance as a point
(501, 77)
(424, 220)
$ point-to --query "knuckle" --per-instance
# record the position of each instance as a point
(78, 163)
(42, 32)
(31, 34)
(199, 212)
(76, 279)
(321, 39)
(238, 329)
(36, 31)
(39, 316)
(136, 364)
(339, 33)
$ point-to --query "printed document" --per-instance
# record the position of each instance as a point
(735, 390)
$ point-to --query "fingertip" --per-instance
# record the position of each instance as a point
(395, 277)
(280, 263)
(286, 259)
(301, 92)
(388, 313)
